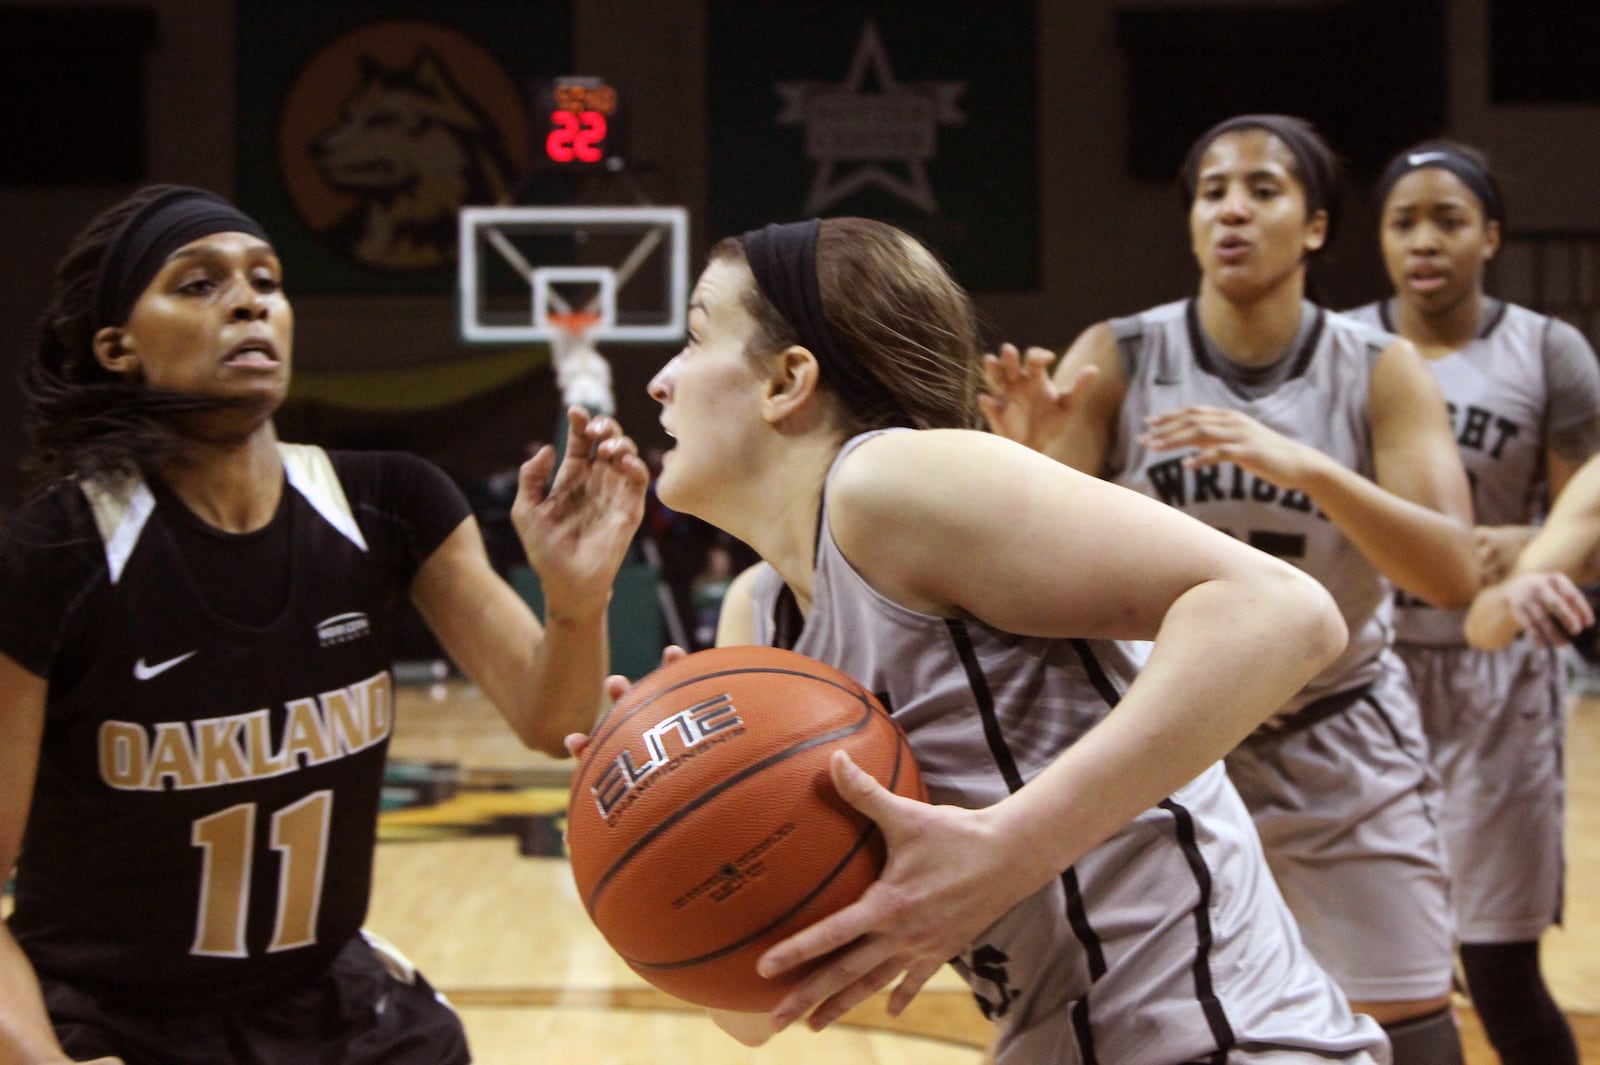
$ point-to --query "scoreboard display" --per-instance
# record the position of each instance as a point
(581, 123)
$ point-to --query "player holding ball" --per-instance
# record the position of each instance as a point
(1086, 865)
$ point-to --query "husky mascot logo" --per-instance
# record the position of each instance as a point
(411, 129)
(412, 149)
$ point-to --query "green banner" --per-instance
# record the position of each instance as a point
(916, 112)
(364, 126)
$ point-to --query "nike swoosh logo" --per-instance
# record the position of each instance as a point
(144, 672)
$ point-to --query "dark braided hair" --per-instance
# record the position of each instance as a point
(84, 421)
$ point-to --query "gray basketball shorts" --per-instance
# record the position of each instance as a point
(368, 1007)
(1344, 799)
(1496, 724)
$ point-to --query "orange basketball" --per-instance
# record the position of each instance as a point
(704, 827)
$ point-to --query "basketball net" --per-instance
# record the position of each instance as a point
(582, 373)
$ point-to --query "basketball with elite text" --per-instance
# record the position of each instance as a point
(704, 827)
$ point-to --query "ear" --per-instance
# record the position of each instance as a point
(113, 350)
(792, 384)
(1491, 239)
(1316, 231)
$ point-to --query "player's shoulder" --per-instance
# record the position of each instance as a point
(55, 521)
(1365, 325)
(363, 467)
(1558, 332)
(400, 498)
(391, 479)
(1372, 315)
(51, 556)
(1132, 326)
(58, 503)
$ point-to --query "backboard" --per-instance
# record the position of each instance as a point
(521, 268)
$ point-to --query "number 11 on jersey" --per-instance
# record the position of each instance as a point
(227, 838)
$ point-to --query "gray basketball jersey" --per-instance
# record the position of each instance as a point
(1498, 395)
(1321, 401)
(1167, 943)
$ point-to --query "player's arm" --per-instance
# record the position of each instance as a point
(1069, 415)
(1572, 376)
(543, 689)
(1415, 523)
(1540, 591)
(1047, 551)
(546, 680)
(736, 622)
(26, 1035)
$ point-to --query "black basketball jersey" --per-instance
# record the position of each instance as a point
(204, 819)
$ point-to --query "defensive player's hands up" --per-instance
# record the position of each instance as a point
(1023, 402)
(616, 686)
(1549, 607)
(1220, 435)
(576, 536)
(1497, 548)
(946, 880)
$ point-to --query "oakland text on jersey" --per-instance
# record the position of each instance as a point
(1180, 487)
(708, 720)
(209, 752)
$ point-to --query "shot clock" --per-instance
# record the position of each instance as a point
(580, 122)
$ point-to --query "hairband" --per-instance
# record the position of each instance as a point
(783, 258)
(1310, 155)
(178, 216)
(1443, 157)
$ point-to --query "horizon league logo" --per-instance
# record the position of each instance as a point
(699, 724)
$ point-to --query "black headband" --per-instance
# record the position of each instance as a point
(1472, 173)
(178, 216)
(1316, 169)
(783, 258)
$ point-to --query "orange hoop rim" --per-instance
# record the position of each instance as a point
(574, 323)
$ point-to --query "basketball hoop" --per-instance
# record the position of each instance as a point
(631, 264)
(582, 372)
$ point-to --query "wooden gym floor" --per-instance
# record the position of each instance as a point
(471, 887)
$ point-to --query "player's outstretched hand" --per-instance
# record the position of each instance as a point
(1549, 607)
(616, 686)
(576, 535)
(1023, 403)
(943, 884)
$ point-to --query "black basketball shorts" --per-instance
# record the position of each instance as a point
(369, 1007)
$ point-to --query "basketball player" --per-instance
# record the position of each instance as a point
(1090, 868)
(195, 652)
(1325, 442)
(1524, 395)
